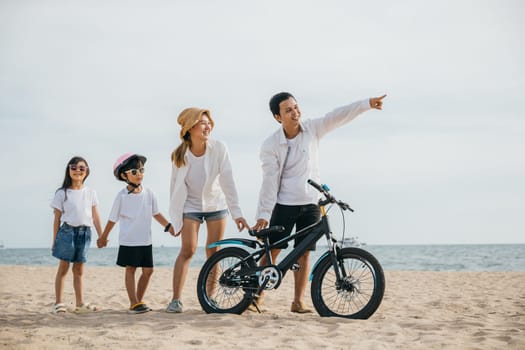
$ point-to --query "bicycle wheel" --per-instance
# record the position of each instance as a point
(221, 289)
(358, 293)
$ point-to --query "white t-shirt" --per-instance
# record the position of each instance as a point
(194, 181)
(294, 188)
(134, 212)
(77, 210)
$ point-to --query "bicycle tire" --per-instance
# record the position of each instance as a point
(361, 291)
(223, 298)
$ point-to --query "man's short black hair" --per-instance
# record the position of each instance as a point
(276, 100)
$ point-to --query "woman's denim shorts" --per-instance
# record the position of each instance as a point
(208, 216)
(72, 243)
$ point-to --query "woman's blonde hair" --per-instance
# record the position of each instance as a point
(177, 156)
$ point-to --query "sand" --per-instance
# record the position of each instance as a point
(420, 310)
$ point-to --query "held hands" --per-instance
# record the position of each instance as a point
(377, 102)
(102, 242)
(169, 227)
(173, 233)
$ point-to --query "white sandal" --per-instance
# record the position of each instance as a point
(58, 308)
(85, 309)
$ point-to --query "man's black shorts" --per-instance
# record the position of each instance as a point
(289, 216)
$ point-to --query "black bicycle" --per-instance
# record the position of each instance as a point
(345, 281)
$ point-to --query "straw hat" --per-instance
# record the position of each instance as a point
(191, 116)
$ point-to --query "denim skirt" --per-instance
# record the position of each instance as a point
(72, 243)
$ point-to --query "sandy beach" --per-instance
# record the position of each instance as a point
(420, 310)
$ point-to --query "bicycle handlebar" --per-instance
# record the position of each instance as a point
(315, 185)
(329, 198)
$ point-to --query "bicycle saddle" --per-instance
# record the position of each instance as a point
(267, 231)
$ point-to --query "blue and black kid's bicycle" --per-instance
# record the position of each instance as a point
(346, 281)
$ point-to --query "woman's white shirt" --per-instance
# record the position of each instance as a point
(195, 180)
(218, 192)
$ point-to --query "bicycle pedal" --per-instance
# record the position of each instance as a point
(295, 267)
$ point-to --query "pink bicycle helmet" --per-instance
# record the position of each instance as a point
(123, 160)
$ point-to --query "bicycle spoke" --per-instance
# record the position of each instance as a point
(354, 292)
(220, 287)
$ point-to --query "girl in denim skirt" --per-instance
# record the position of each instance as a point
(75, 209)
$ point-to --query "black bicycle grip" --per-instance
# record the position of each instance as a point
(315, 185)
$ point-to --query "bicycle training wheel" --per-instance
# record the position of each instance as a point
(221, 289)
(358, 293)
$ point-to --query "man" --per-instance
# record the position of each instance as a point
(289, 158)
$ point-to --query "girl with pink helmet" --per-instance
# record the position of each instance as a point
(133, 207)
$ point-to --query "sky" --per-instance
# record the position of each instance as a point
(442, 163)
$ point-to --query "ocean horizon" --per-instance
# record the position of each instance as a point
(439, 257)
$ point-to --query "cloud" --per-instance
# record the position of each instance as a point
(102, 78)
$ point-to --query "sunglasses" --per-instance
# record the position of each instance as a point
(80, 168)
(134, 172)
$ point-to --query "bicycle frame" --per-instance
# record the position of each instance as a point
(313, 234)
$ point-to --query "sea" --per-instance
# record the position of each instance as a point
(460, 257)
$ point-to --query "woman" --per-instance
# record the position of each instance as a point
(201, 189)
